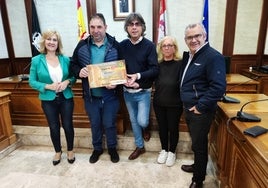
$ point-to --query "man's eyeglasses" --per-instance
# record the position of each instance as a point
(132, 24)
(167, 46)
(190, 38)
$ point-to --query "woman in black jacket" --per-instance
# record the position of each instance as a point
(166, 102)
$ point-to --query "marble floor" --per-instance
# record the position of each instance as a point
(31, 167)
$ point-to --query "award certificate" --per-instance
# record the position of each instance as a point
(107, 73)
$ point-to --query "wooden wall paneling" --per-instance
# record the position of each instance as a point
(28, 9)
(240, 62)
(262, 33)
(5, 68)
(229, 28)
(22, 66)
(91, 9)
(7, 31)
(155, 12)
(265, 59)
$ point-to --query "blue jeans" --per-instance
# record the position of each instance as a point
(102, 116)
(56, 111)
(138, 106)
(199, 126)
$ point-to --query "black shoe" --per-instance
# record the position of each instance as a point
(95, 156)
(113, 154)
(196, 185)
(56, 161)
(188, 168)
(70, 160)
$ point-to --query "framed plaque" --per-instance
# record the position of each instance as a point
(122, 8)
(107, 73)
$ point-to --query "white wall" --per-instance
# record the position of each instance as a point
(62, 16)
(19, 28)
(248, 23)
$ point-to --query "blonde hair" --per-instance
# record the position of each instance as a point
(47, 34)
(159, 50)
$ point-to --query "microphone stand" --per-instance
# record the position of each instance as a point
(227, 99)
(245, 117)
(24, 77)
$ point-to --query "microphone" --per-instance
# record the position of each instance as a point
(24, 77)
(227, 99)
(245, 117)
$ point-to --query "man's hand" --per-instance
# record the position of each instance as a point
(111, 86)
(131, 81)
(83, 73)
(193, 109)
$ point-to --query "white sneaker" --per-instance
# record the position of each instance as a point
(171, 158)
(162, 157)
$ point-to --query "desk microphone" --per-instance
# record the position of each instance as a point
(24, 77)
(245, 117)
(227, 99)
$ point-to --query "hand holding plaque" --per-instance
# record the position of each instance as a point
(107, 73)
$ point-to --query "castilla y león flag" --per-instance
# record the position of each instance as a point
(162, 22)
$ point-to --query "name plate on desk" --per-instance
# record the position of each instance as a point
(107, 73)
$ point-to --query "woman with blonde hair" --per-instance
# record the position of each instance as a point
(166, 102)
(49, 75)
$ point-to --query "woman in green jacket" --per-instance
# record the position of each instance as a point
(49, 75)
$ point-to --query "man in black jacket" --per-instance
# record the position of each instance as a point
(101, 104)
(203, 83)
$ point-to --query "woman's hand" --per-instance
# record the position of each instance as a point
(52, 86)
(62, 86)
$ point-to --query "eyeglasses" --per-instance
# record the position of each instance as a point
(197, 36)
(132, 24)
(167, 46)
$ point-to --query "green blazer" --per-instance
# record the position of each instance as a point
(39, 77)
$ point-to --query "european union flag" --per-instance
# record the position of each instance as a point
(205, 17)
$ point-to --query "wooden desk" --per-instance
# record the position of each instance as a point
(261, 77)
(237, 83)
(248, 156)
(26, 107)
(238, 163)
(7, 137)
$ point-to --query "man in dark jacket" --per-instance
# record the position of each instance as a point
(203, 83)
(101, 104)
(142, 68)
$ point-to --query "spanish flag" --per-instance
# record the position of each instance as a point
(80, 20)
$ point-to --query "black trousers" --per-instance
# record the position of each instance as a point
(59, 112)
(168, 119)
(199, 126)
